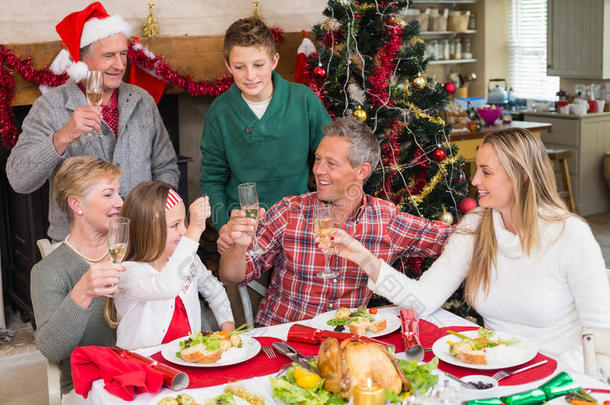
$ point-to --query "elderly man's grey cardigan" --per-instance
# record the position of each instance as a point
(142, 149)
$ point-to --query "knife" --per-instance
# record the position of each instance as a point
(286, 350)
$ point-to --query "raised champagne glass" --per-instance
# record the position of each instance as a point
(118, 238)
(94, 88)
(323, 227)
(248, 199)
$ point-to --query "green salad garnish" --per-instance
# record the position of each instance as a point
(361, 312)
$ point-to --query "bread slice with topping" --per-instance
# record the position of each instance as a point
(200, 354)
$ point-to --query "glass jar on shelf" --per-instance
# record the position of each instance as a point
(466, 52)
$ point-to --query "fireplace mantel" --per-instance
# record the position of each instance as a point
(199, 57)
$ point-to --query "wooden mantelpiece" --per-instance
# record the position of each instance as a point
(200, 57)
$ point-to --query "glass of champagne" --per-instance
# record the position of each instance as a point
(323, 227)
(248, 199)
(94, 89)
(118, 238)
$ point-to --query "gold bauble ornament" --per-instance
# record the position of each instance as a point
(360, 113)
(446, 217)
(419, 82)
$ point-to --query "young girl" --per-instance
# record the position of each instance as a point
(158, 299)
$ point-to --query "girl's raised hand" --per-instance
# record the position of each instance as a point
(200, 211)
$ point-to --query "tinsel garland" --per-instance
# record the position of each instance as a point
(8, 130)
(156, 65)
(442, 170)
(386, 61)
(140, 56)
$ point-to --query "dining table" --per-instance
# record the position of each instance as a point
(261, 384)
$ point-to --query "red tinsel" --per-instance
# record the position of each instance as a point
(278, 34)
(8, 130)
(161, 69)
(332, 38)
(386, 62)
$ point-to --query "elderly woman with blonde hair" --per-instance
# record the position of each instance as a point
(530, 266)
(68, 285)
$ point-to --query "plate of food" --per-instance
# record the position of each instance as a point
(361, 321)
(484, 349)
(213, 349)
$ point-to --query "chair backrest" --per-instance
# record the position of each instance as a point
(245, 300)
(45, 246)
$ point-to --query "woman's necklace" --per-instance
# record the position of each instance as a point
(82, 255)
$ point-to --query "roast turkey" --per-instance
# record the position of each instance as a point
(354, 363)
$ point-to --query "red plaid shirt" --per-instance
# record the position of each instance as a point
(287, 234)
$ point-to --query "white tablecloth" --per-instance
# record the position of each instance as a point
(261, 385)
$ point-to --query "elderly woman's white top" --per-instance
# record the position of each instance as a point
(547, 296)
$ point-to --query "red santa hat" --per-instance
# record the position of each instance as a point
(80, 29)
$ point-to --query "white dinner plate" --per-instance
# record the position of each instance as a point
(250, 347)
(515, 354)
(392, 322)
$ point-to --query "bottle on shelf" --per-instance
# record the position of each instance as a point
(446, 50)
(472, 24)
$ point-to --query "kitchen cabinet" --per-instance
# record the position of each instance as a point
(587, 138)
(578, 38)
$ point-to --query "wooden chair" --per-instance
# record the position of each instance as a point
(562, 156)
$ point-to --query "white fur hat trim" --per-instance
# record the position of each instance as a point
(96, 29)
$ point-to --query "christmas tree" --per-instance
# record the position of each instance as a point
(371, 64)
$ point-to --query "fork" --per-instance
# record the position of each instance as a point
(503, 374)
(269, 352)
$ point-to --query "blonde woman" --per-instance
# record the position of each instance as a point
(68, 286)
(158, 298)
(531, 267)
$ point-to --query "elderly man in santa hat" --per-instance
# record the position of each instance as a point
(126, 129)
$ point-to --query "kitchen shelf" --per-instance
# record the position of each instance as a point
(450, 61)
(433, 33)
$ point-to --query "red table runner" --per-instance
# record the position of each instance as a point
(261, 365)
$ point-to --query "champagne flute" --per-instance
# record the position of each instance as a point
(248, 199)
(118, 238)
(323, 227)
(94, 88)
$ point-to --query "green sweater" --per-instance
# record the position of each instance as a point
(237, 147)
(61, 325)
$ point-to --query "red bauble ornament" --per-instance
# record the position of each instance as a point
(439, 154)
(357, 15)
(319, 71)
(450, 87)
(467, 204)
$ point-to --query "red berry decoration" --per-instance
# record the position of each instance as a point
(467, 204)
(357, 15)
(450, 87)
(439, 154)
(319, 71)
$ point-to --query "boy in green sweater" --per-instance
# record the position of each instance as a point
(261, 130)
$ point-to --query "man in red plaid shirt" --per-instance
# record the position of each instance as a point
(344, 159)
